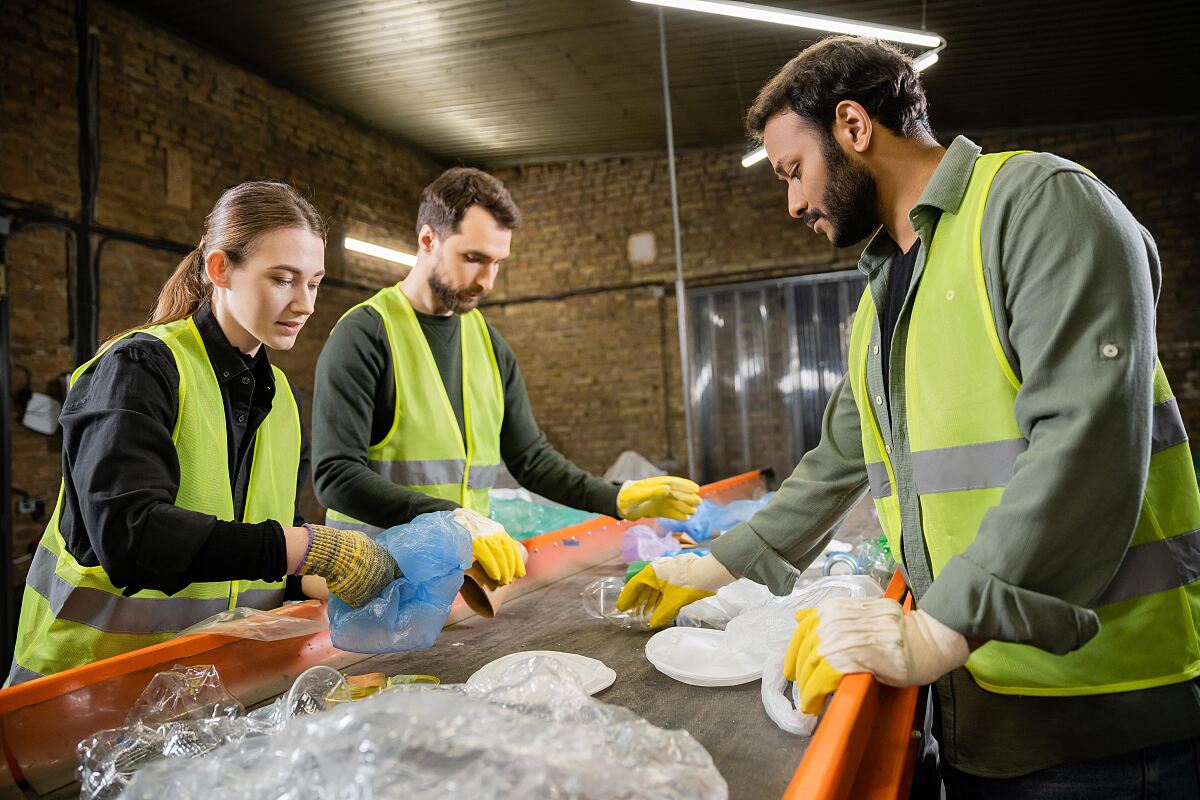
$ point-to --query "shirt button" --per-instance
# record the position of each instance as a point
(246, 381)
(1109, 351)
(224, 374)
(241, 417)
(875, 350)
(878, 399)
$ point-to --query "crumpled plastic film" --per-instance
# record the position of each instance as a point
(525, 515)
(254, 623)
(531, 732)
(186, 713)
(433, 551)
(712, 519)
(643, 543)
(781, 700)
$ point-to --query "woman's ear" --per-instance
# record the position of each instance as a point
(217, 266)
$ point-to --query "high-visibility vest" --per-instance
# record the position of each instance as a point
(72, 614)
(424, 451)
(960, 392)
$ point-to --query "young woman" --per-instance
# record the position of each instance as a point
(183, 455)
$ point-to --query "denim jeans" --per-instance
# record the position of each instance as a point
(1165, 772)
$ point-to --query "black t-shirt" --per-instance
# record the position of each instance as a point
(899, 278)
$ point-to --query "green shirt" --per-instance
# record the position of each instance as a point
(354, 402)
(1067, 268)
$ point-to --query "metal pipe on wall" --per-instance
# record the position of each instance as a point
(680, 296)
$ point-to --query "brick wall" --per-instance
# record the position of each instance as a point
(164, 100)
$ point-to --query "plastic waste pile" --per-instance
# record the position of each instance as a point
(532, 731)
(526, 515)
(186, 713)
(433, 552)
(759, 624)
(712, 519)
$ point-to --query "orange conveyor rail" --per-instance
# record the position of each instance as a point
(41, 721)
(865, 747)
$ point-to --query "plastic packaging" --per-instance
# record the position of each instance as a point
(593, 675)
(600, 601)
(872, 557)
(433, 551)
(712, 520)
(643, 543)
(530, 732)
(525, 515)
(186, 713)
(781, 700)
(254, 623)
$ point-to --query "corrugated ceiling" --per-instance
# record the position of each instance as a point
(486, 82)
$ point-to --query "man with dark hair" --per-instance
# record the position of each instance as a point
(1005, 408)
(418, 401)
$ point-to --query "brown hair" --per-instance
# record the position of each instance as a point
(446, 200)
(873, 73)
(242, 216)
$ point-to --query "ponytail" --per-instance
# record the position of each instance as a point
(242, 215)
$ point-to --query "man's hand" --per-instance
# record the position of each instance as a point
(664, 496)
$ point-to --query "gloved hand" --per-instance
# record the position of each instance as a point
(856, 634)
(356, 567)
(668, 584)
(664, 496)
(496, 551)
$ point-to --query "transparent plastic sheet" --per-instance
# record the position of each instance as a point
(254, 623)
(781, 700)
(530, 732)
(643, 543)
(712, 520)
(186, 713)
(433, 551)
(600, 602)
(525, 515)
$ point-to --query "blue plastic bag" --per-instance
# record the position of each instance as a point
(712, 520)
(433, 551)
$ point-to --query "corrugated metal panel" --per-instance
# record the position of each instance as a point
(496, 82)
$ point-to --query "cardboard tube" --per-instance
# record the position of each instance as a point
(482, 594)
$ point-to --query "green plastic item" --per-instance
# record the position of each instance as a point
(634, 569)
(524, 520)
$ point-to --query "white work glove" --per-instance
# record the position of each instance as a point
(498, 553)
(844, 635)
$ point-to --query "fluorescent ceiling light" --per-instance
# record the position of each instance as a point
(803, 19)
(922, 61)
(359, 246)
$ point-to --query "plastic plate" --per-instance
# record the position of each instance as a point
(596, 676)
(695, 656)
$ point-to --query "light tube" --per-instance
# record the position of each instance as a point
(359, 246)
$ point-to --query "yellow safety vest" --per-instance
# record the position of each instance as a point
(960, 391)
(73, 615)
(425, 450)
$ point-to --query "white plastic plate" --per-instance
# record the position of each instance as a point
(694, 656)
(596, 676)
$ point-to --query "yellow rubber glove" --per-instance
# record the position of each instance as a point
(666, 585)
(498, 553)
(356, 567)
(844, 635)
(664, 496)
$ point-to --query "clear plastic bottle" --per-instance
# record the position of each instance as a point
(600, 601)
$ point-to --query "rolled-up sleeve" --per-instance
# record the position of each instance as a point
(1080, 280)
(792, 530)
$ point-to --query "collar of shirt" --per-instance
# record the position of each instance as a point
(228, 362)
(944, 192)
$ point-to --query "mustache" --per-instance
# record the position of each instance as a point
(810, 217)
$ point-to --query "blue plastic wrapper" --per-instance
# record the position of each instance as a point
(433, 551)
(712, 520)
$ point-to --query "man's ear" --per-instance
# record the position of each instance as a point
(852, 126)
(427, 239)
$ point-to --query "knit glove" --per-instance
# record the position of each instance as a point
(355, 566)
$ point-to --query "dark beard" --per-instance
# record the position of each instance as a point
(456, 302)
(851, 198)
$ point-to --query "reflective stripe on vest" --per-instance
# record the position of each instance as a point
(72, 614)
(425, 449)
(960, 394)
